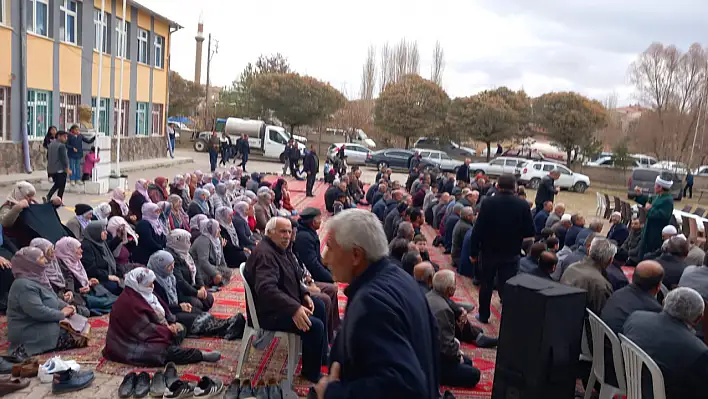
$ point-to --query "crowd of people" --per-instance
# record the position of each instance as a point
(154, 260)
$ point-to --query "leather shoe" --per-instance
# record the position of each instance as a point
(27, 369)
(127, 387)
(142, 385)
(10, 385)
(170, 374)
(157, 387)
(232, 392)
(5, 366)
(19, 355)
(261, 390)
(274, 390)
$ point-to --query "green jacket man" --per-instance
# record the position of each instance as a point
(660, 207)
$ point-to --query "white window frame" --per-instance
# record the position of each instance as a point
(143, 51)
(67, 13)
(4, 108)
(159, 51)
(121, 38)
(33, 28)
(32, 105)
(102, 116)
(120, 118)
(156, 120)
(96, 30)
(69, 109)
(142, 108)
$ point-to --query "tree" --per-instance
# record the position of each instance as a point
(621, 156)
(411, 107)
(490, 116)
(356, 114)
(185, 95)
(436, 71)
(296, 100)
(569, 119)
(368, 75)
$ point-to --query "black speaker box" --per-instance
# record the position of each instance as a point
(539, 340)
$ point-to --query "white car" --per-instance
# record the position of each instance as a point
(439, 159)
(498, 166)
(676, 167)
(356, 154)
(701, 171)
(533, 171)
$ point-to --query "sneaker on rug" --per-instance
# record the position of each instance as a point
(70, 380)
(178, 389)
(208, 387)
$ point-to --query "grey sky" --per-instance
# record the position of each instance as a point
(540, 45)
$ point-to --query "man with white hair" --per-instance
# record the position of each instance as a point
(588, 273)
(387, 345)
(668, 338)
(618, 230)
(560, 229)
(456, 369)
(556, 215)
(673, 260)
(659, 208)
(282, 302)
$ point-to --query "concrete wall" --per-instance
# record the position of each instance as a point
(140, 147)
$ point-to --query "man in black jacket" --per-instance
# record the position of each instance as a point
(640, 295)
(245, 149)
(307, 245)
(504, 221)
(463, 172)
(387, 346)
(310, 165)
(546, 188)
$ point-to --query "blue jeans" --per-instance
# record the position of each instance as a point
(171, 145)
(75, 166)
(213, 158)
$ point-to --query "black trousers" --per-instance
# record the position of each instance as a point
(293, 168)
(689, 189)
(180, 355)
(455, 374)
(243, 162)
(58, 187)
(311, 177)
(6, 280)
(501, 268)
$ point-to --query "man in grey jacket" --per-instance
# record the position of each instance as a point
(58, 165)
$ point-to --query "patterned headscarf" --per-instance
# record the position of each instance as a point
(67, 249)
(149, 213)
(196, 222)
(22, 191)
(210, 229)
(139, 280)
(224, 216)
(241, 209)
(118, 221)
(141, 187)
(93, 233)
(25, 264)
(178, 181)
(52, 270)
(202, 202)
(102, 211)
(118, 196)
(180, 241)
(159, 263)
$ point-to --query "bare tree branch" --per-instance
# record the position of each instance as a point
(368, 75)
(436, 71)
(385, 76)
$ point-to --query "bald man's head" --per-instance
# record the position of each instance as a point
(423, 272)
(648, 275)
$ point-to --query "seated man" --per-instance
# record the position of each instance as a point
(640, 295)
(547, 262)
(673, 260)
(666, 233)
(282, 302)
(423, 273)
(459, 231)
(529, 263)
(307, 245)
(588, 274)
(668, 339)
(456, 369)
(633, 242)
(618, 231)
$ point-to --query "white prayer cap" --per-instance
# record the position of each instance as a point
(565, 217)
(666, 184)
(669, 230)
(616, 214)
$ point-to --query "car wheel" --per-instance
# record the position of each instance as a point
(534, 183)
(282, 157)
(580, 187)
(200, 145)
(382, 164)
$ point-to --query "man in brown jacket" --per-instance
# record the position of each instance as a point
(587, 274)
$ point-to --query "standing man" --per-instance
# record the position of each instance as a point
(503, 223)
(171, 139)
(310, 165)
(387, 346)
(213, 146)
(75, 149)
(660, 207)
(244, 149)
(58, 165)
(293, 157)
(689, 185)
(546, 189)
(463, 172)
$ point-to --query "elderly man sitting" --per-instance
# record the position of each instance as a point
(618, 231)
(282, 302)
(668, 338)
(673, 260)
(556, 215)
(588, 274)
(456, 369)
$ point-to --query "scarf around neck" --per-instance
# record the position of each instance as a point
(158, 263)
(66, 251)
(52, 270)
(139, 280)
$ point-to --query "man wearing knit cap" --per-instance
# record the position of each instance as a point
(307, 245)
(659, 207)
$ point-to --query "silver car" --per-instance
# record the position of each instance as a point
(356, 154)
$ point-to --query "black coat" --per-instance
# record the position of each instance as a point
(135, 204)
(388, 342)
(463, 174)
(245, 236)
(546, 192)
(373, 189)
(184, 276)
(148, 242)
(503, 222)
(673, 269)
(194, 209)
(623, 303)
(93, 261)
(331, 195)
(307, 250)
(233, 254)
(311, 163)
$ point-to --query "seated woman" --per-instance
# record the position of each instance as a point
(211, 190)
(34, 312)
(119, 207)
(165, 210)
(138, 199)
(242, 211)
(64, 290)
(189, 280)
(97, 299)
(200, 204)
(77, 224)
(157, 191)
(208, 254)
(278, 192)
(142, 330)
(195, 225)
(196, 322)
(151, 234)
(119, 228)
(98, 259)
(177, 218)
(234, 254)
(21, 197)
(102, 212)
(219, 198)
(180, 189)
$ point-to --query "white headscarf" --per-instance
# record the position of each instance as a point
(23, 190)
(118, 196)
(180, 241)
(102, 211)
(226, 223)
(139, 280)
(115, 223)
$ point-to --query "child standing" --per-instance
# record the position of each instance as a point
(90, 162)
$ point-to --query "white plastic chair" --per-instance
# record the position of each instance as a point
(600, 330)
(585, 354)
(292, 340)
(599, 204)
(634, 359)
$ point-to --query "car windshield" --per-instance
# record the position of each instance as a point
(644, 175)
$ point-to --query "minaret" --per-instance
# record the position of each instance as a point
(198, 61)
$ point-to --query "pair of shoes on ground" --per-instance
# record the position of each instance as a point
(140, 385)
(9, 384)
(206, 387)
(71, 380)
(27, 369)
(244, 389)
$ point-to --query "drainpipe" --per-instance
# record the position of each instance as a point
(23, 88)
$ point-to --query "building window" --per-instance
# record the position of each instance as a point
(39, 106)
(4, 112)
(157, 118)
(102, 116)
(141, 127)
(98, 36)
(142, 46)
(38, 16)
(159, 55)
(120, 115)
(68, 28)
(68, 109)
(2, 13)
(122, 45)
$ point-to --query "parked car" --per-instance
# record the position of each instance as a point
(389, 158)
(645, 178)
(676, 167)
(533, 171)
(701, 170)
(451, 148)
(498, 166)
(437, 159)
(608, 161)
(356, 153)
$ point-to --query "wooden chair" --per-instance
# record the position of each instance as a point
(674, 222)
(686, 209)
(685, 225)
(627, 212)
(699, 212)
(608, 208)
(618, 205)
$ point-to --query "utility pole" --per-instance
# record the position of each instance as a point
(210, 55)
